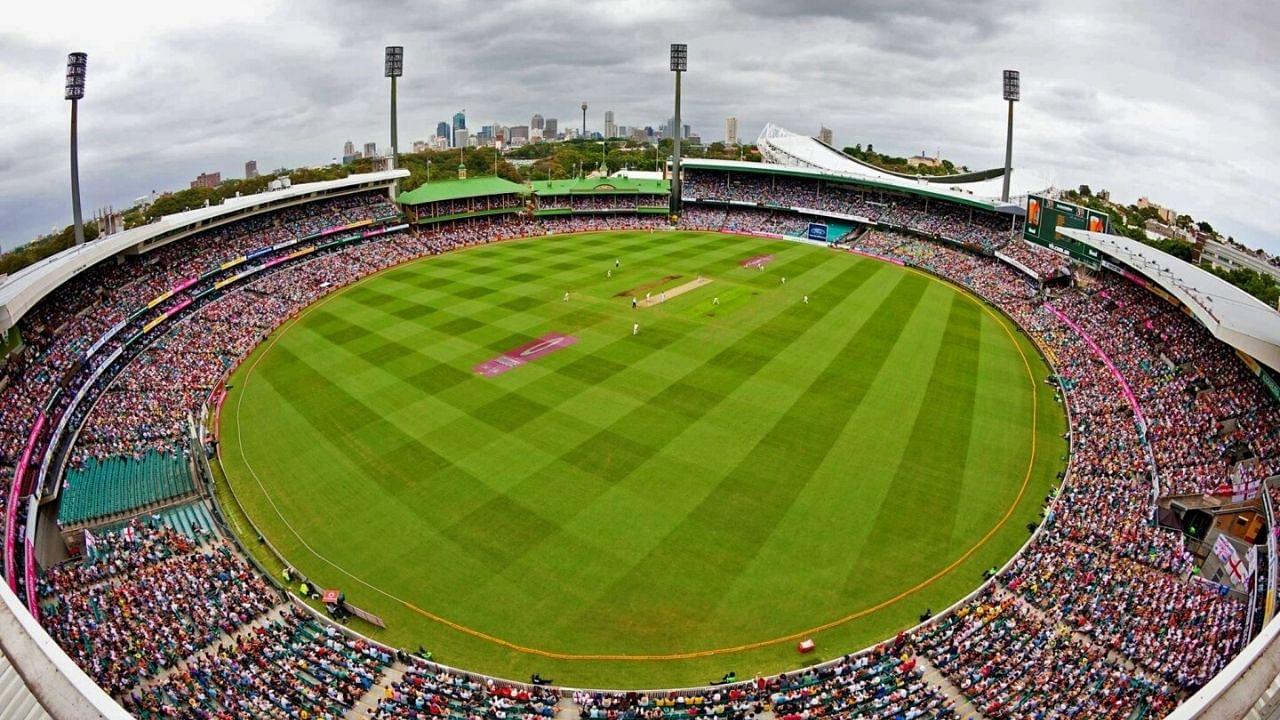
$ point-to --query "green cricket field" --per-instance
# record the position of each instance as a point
(519, 471)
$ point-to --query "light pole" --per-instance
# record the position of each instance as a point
(394, 68)
(679, 64)
(76, 65)
(1012, 93)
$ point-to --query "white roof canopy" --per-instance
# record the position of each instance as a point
(20, 291)
(783, 147)
(1233, 316)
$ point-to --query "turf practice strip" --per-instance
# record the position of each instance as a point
(644, 506)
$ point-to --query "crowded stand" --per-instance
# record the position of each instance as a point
(593, 223)
(607, 202)
(63, 335)
(1045, 263)
(290, 667)
(1014, 664)
(982, 230)
(1157, 407)
(745, 220)
(427, 691)
(147, 601)
(887, 682)
(445, 209)
(1110, 599)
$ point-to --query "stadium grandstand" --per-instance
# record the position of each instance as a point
(1146, 589)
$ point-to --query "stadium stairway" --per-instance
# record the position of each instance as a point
(275, 613)
(367, 705)
(964, 706)
(1119, 660)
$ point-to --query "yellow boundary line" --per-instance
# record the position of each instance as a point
(627, 657)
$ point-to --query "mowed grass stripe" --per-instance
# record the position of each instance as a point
(749, 503)
(706, 438)
(496, 402)
(459, 487)
(838, 495)
(930, 472)
(611, 454)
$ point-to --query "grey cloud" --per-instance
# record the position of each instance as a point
(1145, 99)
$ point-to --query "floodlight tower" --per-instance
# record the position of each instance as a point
(394, 68)
(1012, 93)
(679, 63)
(76, 64)
(584, 119)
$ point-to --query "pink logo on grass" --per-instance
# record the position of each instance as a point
(514, 358)
(757, 261)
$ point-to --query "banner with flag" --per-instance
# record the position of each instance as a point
(90, 545)
(1239, 569)
(1223, 548)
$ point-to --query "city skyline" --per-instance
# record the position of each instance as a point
(1140, 118)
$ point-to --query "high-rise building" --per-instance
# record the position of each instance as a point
(536, 123)
(824, 134)
(207, 180)
(731, 131)
(370, 150)
(668, 130)
(550, 129)
(518, 132)
(419, 146)
(251, 170)
(610, 130)
(348, 149)
(460, 137)
(459, 121)
(442, 131)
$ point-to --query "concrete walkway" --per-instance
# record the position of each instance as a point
(932, 675)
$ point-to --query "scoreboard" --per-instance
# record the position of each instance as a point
(1045, 216)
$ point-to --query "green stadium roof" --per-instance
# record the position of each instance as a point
(459, 189)
(600, 185)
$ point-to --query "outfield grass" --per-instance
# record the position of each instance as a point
(733, 474)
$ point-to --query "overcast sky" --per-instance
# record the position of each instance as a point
(1174, 100)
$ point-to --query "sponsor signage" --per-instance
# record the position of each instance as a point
(514, 358)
